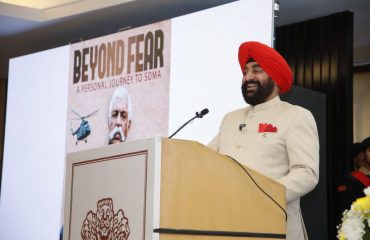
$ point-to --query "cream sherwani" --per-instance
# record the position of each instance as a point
(290, 155)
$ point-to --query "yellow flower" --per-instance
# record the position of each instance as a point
(356, 221)
(341, 236)
(362, 205)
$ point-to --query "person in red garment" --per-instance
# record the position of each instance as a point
(355, 182)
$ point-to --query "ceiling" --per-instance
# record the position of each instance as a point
(26, 28)
(23, 15)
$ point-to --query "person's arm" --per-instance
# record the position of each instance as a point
(302, 143)
(214, 143)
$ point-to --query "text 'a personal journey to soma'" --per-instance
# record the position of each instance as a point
(118, 81)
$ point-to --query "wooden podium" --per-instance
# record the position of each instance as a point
(168, 189)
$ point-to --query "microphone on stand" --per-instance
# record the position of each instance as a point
(202, 113)
(197, 115)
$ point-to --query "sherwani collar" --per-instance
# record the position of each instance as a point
(266, 105)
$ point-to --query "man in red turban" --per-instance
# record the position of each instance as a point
(267, 72)
(273, 137)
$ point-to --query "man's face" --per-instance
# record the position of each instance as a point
(359, 160)
(257, 86)
(367, 155)
(119, 123)
(105, 221)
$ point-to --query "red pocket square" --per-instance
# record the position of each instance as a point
(266, 127)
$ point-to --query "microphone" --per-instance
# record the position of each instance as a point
(197, 115)
(241, 126)
(202, 113)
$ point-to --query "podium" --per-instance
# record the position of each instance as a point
(168, 189)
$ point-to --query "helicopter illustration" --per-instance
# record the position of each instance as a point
(83, 131)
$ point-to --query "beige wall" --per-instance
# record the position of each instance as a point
(361, 106)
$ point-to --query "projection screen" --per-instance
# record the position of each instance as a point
(204, 74)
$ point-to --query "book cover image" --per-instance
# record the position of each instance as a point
(119, 87)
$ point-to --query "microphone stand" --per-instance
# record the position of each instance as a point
(197, 115)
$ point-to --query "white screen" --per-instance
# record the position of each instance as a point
(204, 74)
(33, 167)
(205, 71)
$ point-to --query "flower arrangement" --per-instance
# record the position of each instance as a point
(356, 221)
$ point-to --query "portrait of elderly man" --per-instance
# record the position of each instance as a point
(119, 116)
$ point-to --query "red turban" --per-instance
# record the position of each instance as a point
(269, 60)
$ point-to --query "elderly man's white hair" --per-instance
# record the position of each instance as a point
(121, 93)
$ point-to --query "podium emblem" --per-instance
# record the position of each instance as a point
(105, 224)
